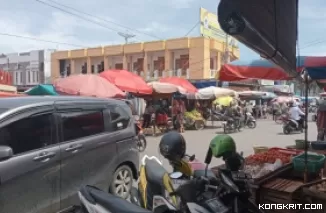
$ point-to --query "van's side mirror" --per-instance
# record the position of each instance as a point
(5, 153)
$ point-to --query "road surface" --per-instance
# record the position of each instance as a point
(267, 133)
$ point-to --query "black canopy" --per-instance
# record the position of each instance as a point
(267, 26)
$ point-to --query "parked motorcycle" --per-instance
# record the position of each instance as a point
(141, 139)
(291, 126)
(250, 121)
(153, 180)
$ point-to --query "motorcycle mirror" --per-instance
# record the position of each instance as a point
(192, 158)
(209, 156)
(175, 175)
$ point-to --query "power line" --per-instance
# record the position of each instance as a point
(192, 28)
(38, 39)
(105, 20)
(79, 16)
(102, 19)
(314, 44)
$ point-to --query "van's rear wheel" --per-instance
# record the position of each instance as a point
(122, 182)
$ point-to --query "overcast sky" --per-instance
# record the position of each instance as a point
(147, 19)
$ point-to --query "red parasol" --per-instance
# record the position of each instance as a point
(180, 82)
(87, 85)
(127, 81)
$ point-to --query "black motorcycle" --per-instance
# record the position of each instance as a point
(291, 126)
(231, 124)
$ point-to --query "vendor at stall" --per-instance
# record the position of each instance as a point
(177, 115)
(149, 110)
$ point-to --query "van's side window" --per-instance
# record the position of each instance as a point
(28, 134)
(120, 118)
(81, 124)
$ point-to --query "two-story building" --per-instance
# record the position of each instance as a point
(27, 68)
(191, 58)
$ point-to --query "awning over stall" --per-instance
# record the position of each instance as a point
(255, 69)
(272, 32)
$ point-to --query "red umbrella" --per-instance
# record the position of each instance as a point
(87, 85)
(180, 82)
(127, 81)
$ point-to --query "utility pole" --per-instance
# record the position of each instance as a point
(126, 36)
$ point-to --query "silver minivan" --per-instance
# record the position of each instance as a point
(51, 146)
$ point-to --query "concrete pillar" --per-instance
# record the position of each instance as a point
(125, 62)
(106, 63)
(168, 57)
(89, 65)
(145, 64)
(199, 58)
(72, 66)
(218, 60)
(55, 69)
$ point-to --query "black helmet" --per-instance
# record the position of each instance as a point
(172, 146)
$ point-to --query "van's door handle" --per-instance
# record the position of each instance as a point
(44, 156)
(74, 147)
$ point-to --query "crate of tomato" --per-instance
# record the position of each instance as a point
(270, 156)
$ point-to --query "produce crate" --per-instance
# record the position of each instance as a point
(278, 172)
(313, 196)
(315, 163)
(281, 191)
(255, 184)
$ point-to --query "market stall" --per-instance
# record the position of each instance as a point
(42, 89)
(162, 91)
(205, 99)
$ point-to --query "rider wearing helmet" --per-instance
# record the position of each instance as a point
(224, 146)
(296, 113)
(173, 146)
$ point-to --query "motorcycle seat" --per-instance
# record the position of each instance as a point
(201, 173)
(110, 202)
(154, 172)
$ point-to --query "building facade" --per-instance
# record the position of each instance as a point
(191, 58)
(27, 68)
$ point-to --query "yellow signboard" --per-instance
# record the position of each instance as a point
(209, 27)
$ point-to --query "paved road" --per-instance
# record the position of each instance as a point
(267, 133)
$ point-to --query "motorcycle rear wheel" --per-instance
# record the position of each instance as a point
(286, 131)
(141, 143)
(252, 124)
